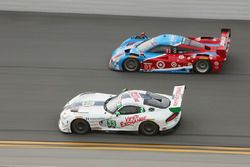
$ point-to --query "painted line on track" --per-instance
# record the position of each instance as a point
(127, 147)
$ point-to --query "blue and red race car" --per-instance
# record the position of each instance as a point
(171, 53)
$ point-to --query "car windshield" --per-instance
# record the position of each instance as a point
(111, 104)
(146, 45)
(193, 43)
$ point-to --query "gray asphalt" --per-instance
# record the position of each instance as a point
(19, 157)
(46, 59)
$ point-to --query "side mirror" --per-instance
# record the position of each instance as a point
(142, 110)
(124, 90)
(117, 113)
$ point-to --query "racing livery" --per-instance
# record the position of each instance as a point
(131, 110)
(171, 53)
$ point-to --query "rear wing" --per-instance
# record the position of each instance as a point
(223, 48)
(177, 98)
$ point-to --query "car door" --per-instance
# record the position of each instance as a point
(156, 57)
(129, 117)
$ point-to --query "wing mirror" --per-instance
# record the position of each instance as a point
(124, 90)
(117, 113)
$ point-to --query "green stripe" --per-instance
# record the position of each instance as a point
(175, 109)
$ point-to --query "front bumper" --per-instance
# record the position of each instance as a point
(64, 127)
(114, 66)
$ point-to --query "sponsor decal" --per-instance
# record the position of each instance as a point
(203, 57)
(216, 63)
(131, 120)
(136, 96)
(177, 96)
(160, 64)
(174, 64)
(181, 57)
(94, 119)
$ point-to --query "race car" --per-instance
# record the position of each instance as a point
(132, 110)
(171, 53)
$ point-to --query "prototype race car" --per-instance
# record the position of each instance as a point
(132, 110)
(171, 53)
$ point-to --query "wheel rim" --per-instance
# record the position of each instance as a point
(149, 128)
(80, 127)
(131, 65)
(202, 66)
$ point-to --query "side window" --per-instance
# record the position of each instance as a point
(160, 49)
(130, 110)
(181, 50)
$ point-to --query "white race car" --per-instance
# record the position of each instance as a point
(132, 110)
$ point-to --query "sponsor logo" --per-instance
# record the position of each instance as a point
(177, 96)
(216, 63)
(136, 96)
(181, 57)
(160, 64)
(174, 64)
(131, 120)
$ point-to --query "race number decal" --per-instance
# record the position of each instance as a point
(111, 123)
(160, 64)
(147, 66)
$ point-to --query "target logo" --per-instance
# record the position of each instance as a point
(181, 57)
(160, 64)
(174, 64)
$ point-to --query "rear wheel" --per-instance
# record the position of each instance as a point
(149, 128)
(80, 126)
(131, 65)
(202, 66)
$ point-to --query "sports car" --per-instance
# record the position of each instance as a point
(132, 110)
(171, 53)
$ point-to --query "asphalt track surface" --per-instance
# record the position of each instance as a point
(30, 157)
(46, 59)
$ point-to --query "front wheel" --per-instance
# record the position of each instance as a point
(202, 66)
(80, 126)
(131, 65)
(148, 128)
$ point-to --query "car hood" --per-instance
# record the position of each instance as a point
(88, 102)
(127, 46)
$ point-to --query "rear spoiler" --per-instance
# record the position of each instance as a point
(177, 98)
(223, 48)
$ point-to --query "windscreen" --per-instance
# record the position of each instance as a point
(193, 43)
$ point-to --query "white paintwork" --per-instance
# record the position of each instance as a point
(87, 106)
(213, 9)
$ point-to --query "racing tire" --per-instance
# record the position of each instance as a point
(202, 66)
(148, 128)
(131, 65)
(80, 126)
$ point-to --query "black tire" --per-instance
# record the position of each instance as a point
(148, 128)
(131, 65)
(80, 126)
(202, 66)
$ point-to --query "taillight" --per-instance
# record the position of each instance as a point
(173, 116)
